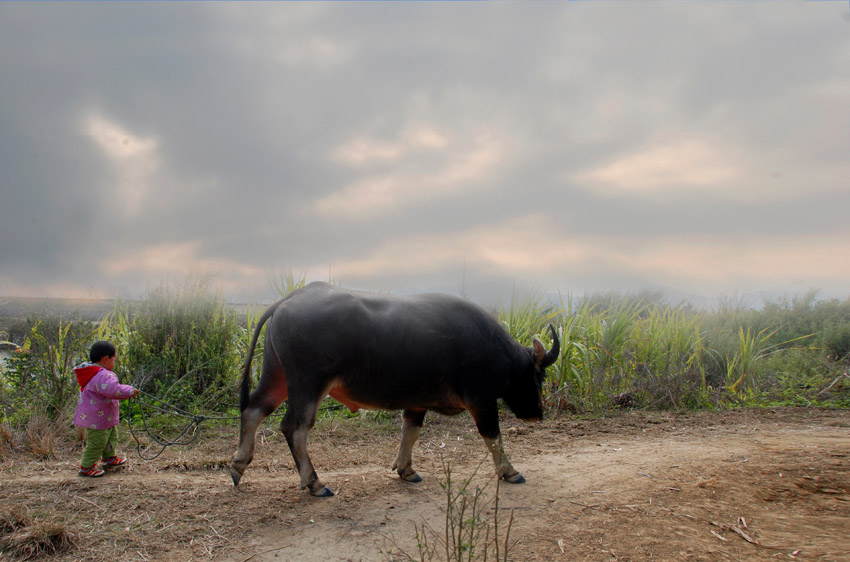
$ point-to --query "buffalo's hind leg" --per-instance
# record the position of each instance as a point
(296, 425)
(412, 424)
(270, 393)
(250, 420)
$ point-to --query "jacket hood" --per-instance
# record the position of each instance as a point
(85, 372)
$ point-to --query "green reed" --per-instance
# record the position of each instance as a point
(186, 346)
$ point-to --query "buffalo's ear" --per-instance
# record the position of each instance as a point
(539, 352)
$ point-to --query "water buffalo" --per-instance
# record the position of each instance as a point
(384, 352)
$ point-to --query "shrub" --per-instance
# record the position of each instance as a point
(473, 528)
(40, 377)
(181, 345)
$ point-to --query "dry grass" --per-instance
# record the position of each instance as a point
(7, 439)
(25, 538)
(41, 437)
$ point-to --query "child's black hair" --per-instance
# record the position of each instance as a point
(101, 349)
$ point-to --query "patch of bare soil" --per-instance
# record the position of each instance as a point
(747, 485)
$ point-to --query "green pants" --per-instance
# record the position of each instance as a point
(100, 444)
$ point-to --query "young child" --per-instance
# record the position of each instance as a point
(97, 410)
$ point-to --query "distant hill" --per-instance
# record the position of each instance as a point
(15, 309)
(22, 307)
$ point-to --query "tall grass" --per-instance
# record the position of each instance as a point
(634, 351)
(184, 345)
(39, 377)
(181, 344)
(785, 353)
(527, 315)
(288, 281)
(667, 369)
(624, 351)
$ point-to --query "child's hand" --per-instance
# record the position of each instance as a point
(135, 393)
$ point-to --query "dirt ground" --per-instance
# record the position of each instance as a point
(744, 485)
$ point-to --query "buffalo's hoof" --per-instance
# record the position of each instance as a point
(408, 475)
(234, 474)
(323, 492)
(514, 479)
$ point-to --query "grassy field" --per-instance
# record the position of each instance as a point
(185, 346)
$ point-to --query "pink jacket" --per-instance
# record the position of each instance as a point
(98, 404)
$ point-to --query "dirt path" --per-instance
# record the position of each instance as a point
(752, 485)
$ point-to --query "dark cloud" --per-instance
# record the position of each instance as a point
(247, 138)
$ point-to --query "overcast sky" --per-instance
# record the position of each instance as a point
(580, 147)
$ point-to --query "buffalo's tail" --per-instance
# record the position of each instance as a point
(245, 385)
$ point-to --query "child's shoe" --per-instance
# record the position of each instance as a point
(91, 472)
(113, 462)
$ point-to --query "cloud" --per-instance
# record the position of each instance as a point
(135, 159)
(535, 249)
(766, 261)
(288, 37)
(669, 165)
(364, 151)
(314, 52)
(464, 163)
(181, 260)
(679, 166)
(235, 137)
(530, 245)
(177, 258)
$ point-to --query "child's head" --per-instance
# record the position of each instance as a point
(101, 350)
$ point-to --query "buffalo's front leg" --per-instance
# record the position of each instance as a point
(504, 468)
(410, 428)
(296, 425)
(487, 421)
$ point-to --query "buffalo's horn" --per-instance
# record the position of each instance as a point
(552, 355)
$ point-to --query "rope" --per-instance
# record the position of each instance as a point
(181, 412)
(194, 425)
(195, 421)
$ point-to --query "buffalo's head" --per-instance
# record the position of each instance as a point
(524, 395)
